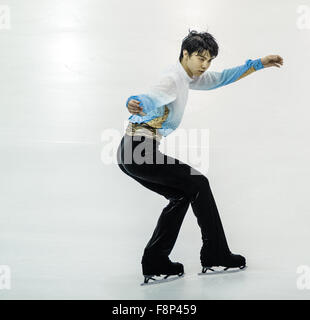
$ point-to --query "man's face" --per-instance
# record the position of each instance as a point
(197, 63)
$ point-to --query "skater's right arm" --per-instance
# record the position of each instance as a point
(158, 95)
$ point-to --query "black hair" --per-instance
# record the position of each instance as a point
(199, 42)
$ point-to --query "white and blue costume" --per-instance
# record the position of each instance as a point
(163, 105)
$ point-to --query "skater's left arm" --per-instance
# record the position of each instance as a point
(212, 79)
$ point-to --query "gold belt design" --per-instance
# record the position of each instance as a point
(149, 129)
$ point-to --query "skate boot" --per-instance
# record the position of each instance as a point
(227, 260)
(157, 266)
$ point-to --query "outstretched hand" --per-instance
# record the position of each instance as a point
(272, 60)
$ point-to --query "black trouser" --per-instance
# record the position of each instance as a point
(174, 180)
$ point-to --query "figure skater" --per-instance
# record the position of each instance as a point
(157, 113)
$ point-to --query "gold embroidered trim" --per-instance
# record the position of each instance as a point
(157, 122)
(246, 73)
(148, 129)
(143, 129)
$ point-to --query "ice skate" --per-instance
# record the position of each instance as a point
(160, 267)
(228, 261)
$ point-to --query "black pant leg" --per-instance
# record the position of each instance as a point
(171, 218)
(196, 188)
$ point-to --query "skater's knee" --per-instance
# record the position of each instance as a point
(200, 185)
(181, 199)
(203, 181)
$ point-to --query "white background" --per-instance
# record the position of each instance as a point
(73, 227)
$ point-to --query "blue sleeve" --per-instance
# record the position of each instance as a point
(153, 101)
(212, 79)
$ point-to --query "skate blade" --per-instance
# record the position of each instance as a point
(214, 270)
(157, 280)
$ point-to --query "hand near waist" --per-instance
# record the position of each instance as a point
(134, 107)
